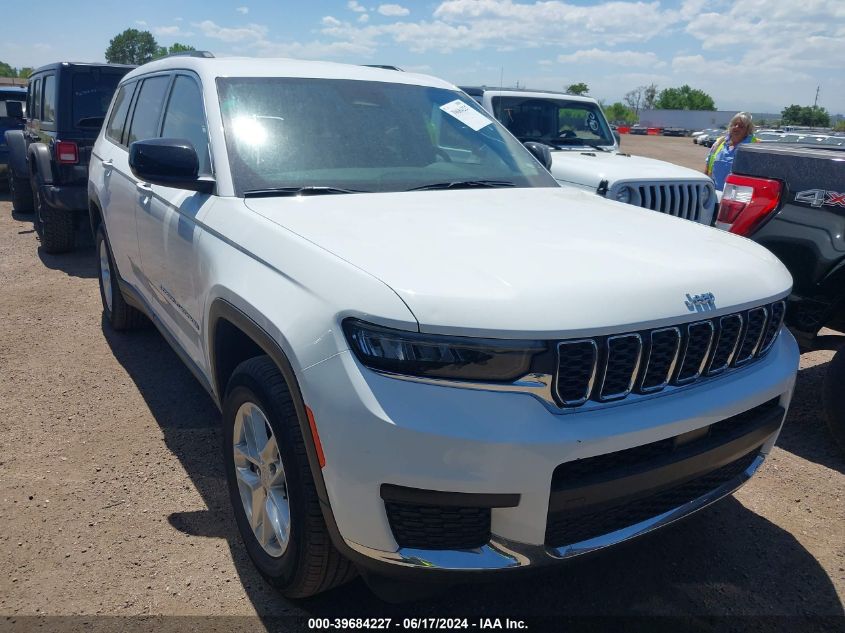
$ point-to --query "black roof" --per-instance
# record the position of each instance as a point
(56, 65)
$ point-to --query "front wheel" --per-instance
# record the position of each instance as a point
(834, 397)
(271, 487)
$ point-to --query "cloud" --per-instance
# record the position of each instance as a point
(617, 58)
(242, 10)
(354, 6)
(254, 32)
(141, 22)
(363, 18)
(330, 21)
(169, 31)
(393, 10)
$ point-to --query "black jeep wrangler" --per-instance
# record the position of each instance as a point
(48, 159)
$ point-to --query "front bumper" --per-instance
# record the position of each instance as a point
(376, 430)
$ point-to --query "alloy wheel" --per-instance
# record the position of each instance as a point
(261, 479)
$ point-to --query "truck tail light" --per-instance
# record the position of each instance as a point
(746, 202)
(67, 153)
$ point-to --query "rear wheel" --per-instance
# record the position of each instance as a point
(271, 487)
(119, 314)
(834, 397)
(54, 226)
(20, 193)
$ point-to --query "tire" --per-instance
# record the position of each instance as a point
(119, 314)
(20, 193)
(834, 397)
(299, 561)
(54, 226)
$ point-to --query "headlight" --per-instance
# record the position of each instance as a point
(624, 195)
(436, 356)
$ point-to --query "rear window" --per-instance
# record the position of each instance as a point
(12, 110)
(92, 93)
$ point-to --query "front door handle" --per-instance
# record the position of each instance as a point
(108, 164)
(144, 188)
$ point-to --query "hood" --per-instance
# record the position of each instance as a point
(543, 262)
(589, 167)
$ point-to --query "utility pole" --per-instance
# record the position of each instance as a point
(816, 102)
(501, 76)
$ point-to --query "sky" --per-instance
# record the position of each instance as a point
(754, 55)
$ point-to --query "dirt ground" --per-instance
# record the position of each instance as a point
(114, 501)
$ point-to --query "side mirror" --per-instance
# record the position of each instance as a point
(171, 162)
(14, 109)
(541, 152)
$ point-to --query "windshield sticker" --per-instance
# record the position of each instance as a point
(592, 121)
(466, 115)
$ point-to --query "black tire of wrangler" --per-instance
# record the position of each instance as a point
(834, 397)
(122, 316)
(20, 193)
(54, 226)
(310, 564)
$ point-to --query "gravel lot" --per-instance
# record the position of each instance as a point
(114, 500)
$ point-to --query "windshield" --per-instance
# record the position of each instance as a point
(556, 122)
(354, 136)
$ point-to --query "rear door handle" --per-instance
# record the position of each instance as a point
(108, 164)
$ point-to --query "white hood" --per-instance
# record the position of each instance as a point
(544, 262)
(589, 167)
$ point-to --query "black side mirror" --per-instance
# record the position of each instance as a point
(171, 162)
(14, 109)
(541, 152)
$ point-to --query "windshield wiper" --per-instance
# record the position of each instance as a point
(464, 184)
(297, 191)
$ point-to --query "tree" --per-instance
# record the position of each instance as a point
(25, 72)
(620, 113)
(813, 116)
(164, 51)
(641, 97)
(684, 98)
(7, 71)
(579, 89)
(132, 47)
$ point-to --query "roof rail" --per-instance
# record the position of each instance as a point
(384, 66)
(205, 54)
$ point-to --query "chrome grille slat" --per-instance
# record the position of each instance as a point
(646, 197)
(660, 350)
(695, 207)
(620, 368)
(727, 341)
(755, 326)
(605, 368)
(697, 344)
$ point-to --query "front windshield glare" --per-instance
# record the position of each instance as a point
(284, 133)
(556, 122)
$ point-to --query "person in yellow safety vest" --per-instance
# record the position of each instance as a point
(721, 156)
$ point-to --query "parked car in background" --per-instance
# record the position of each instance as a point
(12, 109)
(585, 154)
(386, 295)
(675, 131)
(791, 199)
(48, 159)
(697, 137)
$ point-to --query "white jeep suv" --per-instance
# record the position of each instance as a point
(430, 358)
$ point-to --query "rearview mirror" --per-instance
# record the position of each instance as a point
(171, 162)
(541, 152)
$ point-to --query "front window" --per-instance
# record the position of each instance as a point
(556, 122)
(285, 133)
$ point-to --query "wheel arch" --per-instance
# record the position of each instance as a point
(247, 340)
(40, 163)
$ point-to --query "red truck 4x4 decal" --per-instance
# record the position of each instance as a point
(819, 197)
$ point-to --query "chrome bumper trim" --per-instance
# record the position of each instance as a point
(500, 553)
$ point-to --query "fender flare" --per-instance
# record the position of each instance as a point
(16, 142)
(39, 158)
(221, 309)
